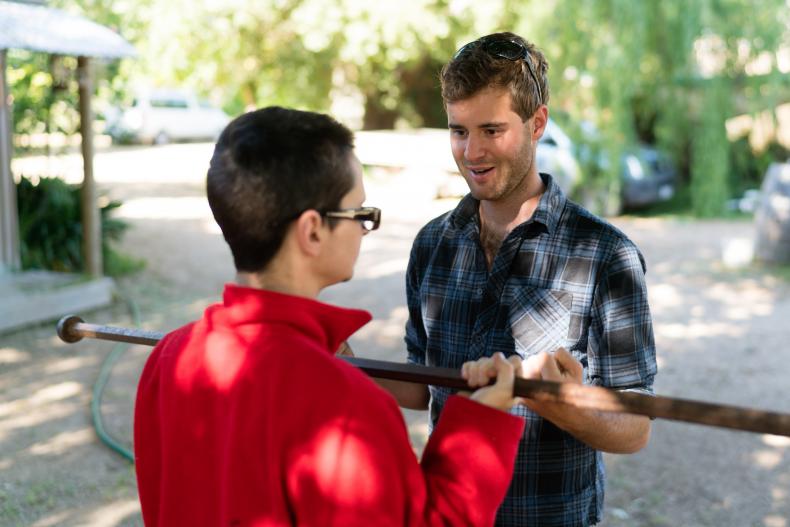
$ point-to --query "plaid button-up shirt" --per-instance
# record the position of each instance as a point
(563, 278)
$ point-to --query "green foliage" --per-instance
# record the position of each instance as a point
(666, 72)
(422, 92)
(749, 166)
(678, 207)
(50, 229)
(709, 178)
(40, 102)
(44, 88)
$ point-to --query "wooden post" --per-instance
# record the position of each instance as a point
(91, 219)
(9, 226)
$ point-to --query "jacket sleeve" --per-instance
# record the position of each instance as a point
(359, 469)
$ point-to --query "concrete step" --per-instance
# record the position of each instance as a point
(33, 297)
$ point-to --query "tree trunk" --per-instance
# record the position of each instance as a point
(377, 117)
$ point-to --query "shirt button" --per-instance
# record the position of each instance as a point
(479, 291)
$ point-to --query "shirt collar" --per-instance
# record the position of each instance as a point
(547, 213)
(329, 325)
(551, 204)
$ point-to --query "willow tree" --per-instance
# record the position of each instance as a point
(393, 51)
(668, 71)
(658, 71)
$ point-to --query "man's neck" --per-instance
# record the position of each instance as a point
(280, 279)
(506, 214)
(498, 218)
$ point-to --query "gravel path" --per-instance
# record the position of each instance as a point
(722, 336)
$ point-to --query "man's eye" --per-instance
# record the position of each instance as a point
(458, 133)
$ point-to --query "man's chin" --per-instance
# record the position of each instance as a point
(482, 194)
(479, 192)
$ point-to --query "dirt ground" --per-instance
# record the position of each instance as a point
(722, 336)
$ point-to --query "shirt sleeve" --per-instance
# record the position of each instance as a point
(416, 340)
(361, 469)
(621, 348)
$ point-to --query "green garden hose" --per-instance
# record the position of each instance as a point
(101, 383)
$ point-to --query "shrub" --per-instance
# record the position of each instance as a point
(50, 229)
(749, 165)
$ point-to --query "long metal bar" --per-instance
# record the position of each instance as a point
(72, 329)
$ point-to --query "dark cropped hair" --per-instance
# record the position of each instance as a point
(473, 69)
(268, 167)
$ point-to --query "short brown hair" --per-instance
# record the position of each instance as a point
(268, 167)
(473, 69)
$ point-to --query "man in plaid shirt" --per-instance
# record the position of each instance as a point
(518, 268)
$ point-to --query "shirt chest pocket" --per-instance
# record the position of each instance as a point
(540, 319)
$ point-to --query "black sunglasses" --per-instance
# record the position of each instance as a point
(368, 217)
(503, 48)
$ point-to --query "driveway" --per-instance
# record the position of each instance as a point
(721, 332)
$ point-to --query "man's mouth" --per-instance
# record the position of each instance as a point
(479, 171)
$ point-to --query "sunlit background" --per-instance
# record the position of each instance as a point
(666, 118)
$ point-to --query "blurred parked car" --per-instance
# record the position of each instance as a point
(649, 177)
(555, 155)
(160, 116)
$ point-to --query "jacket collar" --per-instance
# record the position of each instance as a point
(327, 324)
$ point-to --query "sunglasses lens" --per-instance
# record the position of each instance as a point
(505, 49)
(463, 49)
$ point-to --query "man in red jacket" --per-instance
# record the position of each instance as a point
(245, 417)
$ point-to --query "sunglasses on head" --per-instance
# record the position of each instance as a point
(368, 217)
(503, 48)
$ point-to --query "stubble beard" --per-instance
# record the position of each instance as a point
(514, 176)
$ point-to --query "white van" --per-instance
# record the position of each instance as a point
(160, 116)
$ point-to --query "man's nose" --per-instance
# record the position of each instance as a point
(474, 150)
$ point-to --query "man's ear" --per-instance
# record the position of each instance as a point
(539, 120)
(309, 233)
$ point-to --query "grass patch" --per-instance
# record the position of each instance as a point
(118, 264)
(778, 271)
(756, 270)
(680, 206)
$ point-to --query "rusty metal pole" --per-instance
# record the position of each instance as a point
(72, 329)
(91, 218)
(9, 226)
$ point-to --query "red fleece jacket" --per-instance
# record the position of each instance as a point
(246, 418)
